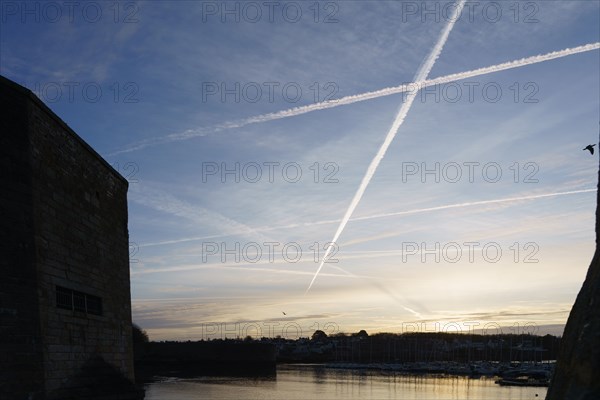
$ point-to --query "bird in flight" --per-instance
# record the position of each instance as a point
(284, 313)
(590, 147)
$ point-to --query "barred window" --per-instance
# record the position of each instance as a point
(64, 298)
(69, 299)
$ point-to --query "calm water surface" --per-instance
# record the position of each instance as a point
(315, 382)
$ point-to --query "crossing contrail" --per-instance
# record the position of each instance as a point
(411, 87)
(421, 75)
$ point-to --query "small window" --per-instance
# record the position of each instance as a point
(64, 298)
(69, 299)
(94, 305)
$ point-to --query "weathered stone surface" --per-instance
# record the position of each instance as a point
(64, 216)
(577, 374)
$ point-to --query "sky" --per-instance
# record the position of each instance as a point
(480, 215)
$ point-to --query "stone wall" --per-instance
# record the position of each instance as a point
(72, 232)
(577, 373)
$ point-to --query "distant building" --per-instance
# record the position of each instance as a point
(65, 305)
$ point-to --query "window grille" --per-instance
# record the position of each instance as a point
(69, 299)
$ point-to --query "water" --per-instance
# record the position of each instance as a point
(314, 382)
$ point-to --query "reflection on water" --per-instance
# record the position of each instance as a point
(316, 382)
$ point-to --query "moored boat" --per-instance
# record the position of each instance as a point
(522, 381)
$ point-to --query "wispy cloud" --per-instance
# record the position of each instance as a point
(166, 202)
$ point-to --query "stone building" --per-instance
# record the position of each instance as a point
(65, 305)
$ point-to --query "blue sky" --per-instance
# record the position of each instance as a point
(161, 67)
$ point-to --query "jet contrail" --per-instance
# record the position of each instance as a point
(373, 216)
(421, 75)
(382, 288)
(411, 87)
(473, 203)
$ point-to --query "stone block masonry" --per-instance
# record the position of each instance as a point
(65, 305)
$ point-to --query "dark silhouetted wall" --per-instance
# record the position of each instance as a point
(64, 223)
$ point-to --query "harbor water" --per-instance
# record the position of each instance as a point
(317, 382)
